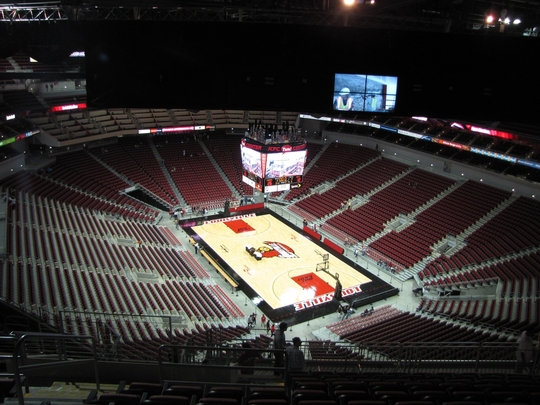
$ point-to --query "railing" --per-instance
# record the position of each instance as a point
(74, 358)
(47, 351)
(475, 357)
(219, 364)
(491, 357)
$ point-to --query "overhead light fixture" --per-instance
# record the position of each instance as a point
(350, 3)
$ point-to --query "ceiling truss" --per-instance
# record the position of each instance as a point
(213, 12)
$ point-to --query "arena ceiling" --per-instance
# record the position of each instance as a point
(418, 15)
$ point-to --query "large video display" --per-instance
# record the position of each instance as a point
(369, 93)
(270, 168)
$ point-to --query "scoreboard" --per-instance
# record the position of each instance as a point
(273, 167)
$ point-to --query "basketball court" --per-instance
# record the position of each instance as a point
(282, 270)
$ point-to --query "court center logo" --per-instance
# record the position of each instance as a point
(272, 249)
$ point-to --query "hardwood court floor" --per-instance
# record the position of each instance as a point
(273, 278)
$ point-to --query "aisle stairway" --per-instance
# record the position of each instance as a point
(178, 195)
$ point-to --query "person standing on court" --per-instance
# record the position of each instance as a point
(279, 344)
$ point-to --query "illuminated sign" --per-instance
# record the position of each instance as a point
(535, 165)
(18, 137)
(249, 144)
(472, 128)
(175, 129)
(452, 144)
(311, 117)
(390, 129)
(491, 132)
(272, 168)
(495, 155)
(409, 133)
(68, 107)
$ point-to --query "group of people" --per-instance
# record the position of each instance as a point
(305, 223)
(269, 133)
(252, 319)
(245, 200)
(367, 312)
(345, 205)
(344, 311)
(296, 359)
(178, 213)
(265, 322)
(387, 266)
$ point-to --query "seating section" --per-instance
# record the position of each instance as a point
(151, 118)
(328, 350)
(225, 149)
(450, 215)
(515, 229)
(62, 257)
(334, 162)
(388, 324)
(262, 117)
(20, 100)
(360, 182)
(517, 274)
(41, 185)
(81, 170)
(492, 314)
(403, 196)
(132, 158)
(198, 180)
(79, 124)
(337, 388)
(22, 61)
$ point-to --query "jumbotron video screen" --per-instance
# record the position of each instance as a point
(275, 167)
